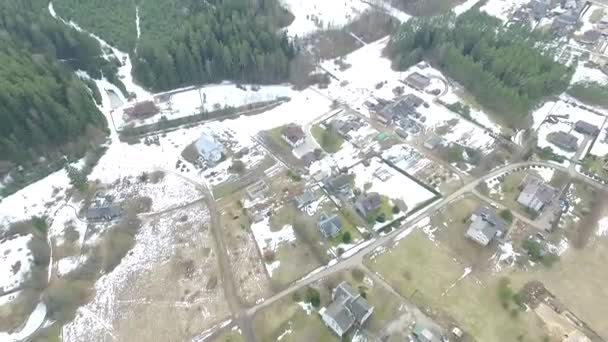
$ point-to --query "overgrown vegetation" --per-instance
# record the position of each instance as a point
(501, 66)
(537, 253)
(509, 299)
(328, 138)
(591, 93)
(547, 153)
(506, 215)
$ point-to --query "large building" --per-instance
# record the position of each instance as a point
(209, 149)
(347, 309)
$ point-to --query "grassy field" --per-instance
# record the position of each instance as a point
(428, 274)
(330, 141)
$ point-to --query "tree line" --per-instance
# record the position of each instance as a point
(504, 68)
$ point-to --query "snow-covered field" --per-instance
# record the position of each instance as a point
(584, 73)
(395, 185)
(16, 262)
(314, 15)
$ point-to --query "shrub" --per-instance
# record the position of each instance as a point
(396, 210)
(313, 297)
(507, 215)
(357, 274)
(346, 237)
(381, 218)
(237, 167)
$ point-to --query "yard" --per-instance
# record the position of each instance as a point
(296, 320)
(328, 138)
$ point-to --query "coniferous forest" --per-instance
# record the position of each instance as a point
(42, 103)
(503, 68)
(186, 42)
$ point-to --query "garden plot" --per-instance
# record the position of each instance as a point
(246, 264)
(561, 117)
(170, 272)
(315, 15)
(379, 177)
(415, 164)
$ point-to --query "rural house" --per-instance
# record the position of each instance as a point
(485, 225)
(347, 309)
(535, 194)
(368, 204)
(417, 81)
(293, 135)
(330, 226)
(209, 149)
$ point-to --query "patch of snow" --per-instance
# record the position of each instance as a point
(467, 271)
(602, 227)
(307, 307)
(356, 249)
(16, 261)
(69, 264)
(395, 186)
(465, 6)
(314, 15)
(285, 333)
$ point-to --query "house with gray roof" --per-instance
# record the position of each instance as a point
(584, 127)
(103, 209)
(347, 309)
(304, 199)
(535, 194)
(368, 204)
(420, 333)
(417, 81)
(209, 149)
(563, 140)
(330, 226)
(485, 226)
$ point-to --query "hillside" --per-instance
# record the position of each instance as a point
(185, 42)
(45, 110)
